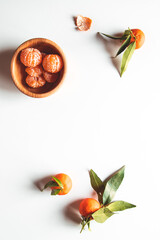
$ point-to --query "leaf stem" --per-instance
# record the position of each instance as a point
(132, 34)
(84, 223)
(109, 36)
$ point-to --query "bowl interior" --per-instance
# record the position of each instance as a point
(18, 69)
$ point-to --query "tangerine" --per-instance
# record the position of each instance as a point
(88, 206)
(66, 182)
(34, 71)
(50, 77)
(31, 57)
(35, 82)
(138, 36)
(52, 63)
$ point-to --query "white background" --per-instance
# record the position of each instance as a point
(95, 120)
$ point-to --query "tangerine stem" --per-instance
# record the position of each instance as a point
(132, 33)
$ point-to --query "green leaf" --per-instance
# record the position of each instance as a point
(127, 56)
(124, 45)
(96, 184)
(112, 37)
(58, 182)
(50, 184)
(112, 185)
(119, 206)
(102, 215)
(55, 191)
(126, 34)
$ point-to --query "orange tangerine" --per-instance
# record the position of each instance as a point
(34, 71)
(66, 182)
(88, 206)
(35, 82)
(140, 37)
(52, 63)
(31, 57)
(50, 77)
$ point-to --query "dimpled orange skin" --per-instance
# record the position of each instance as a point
(66, 182)
(83, 23)
(88, 206)
(50, 77)
(34, 71)
(140, 37)
(31, 57)
(35, 82)
(52, 63)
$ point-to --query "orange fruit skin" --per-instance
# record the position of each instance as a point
(88, 206)
(66, 181)
(31, 57)
(34, 71)
(140, 37)
(35, 82)
(83, 23)
(52, 63)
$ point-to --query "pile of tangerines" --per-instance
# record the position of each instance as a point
(41, 67)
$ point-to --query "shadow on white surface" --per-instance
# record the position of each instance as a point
(40, 183)
(71, 211)
(6, 82)
(74, 21)
(111, 46)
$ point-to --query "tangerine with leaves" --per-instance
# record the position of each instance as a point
(60, 184)
(131, 39)
(91, 209)
(88, 206)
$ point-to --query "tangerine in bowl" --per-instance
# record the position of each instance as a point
(38, 67)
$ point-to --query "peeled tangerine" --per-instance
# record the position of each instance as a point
(83, 23)
(52, 63)
(34, 71)
(50, 77)
(35, 82)
(31, 57)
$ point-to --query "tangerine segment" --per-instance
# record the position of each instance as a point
(140, 37)
(31, 57)
(52, 63)
(88, 206)
(50, 77)
(34, 71)
(83, 23)
(35, 82)
(66, 182)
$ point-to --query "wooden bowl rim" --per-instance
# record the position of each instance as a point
(20, 86)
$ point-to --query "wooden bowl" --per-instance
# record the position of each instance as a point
(18, 69)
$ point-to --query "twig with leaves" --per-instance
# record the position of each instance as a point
(106, 191)
(131, 39)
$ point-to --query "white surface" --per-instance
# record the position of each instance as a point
(96, 120)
